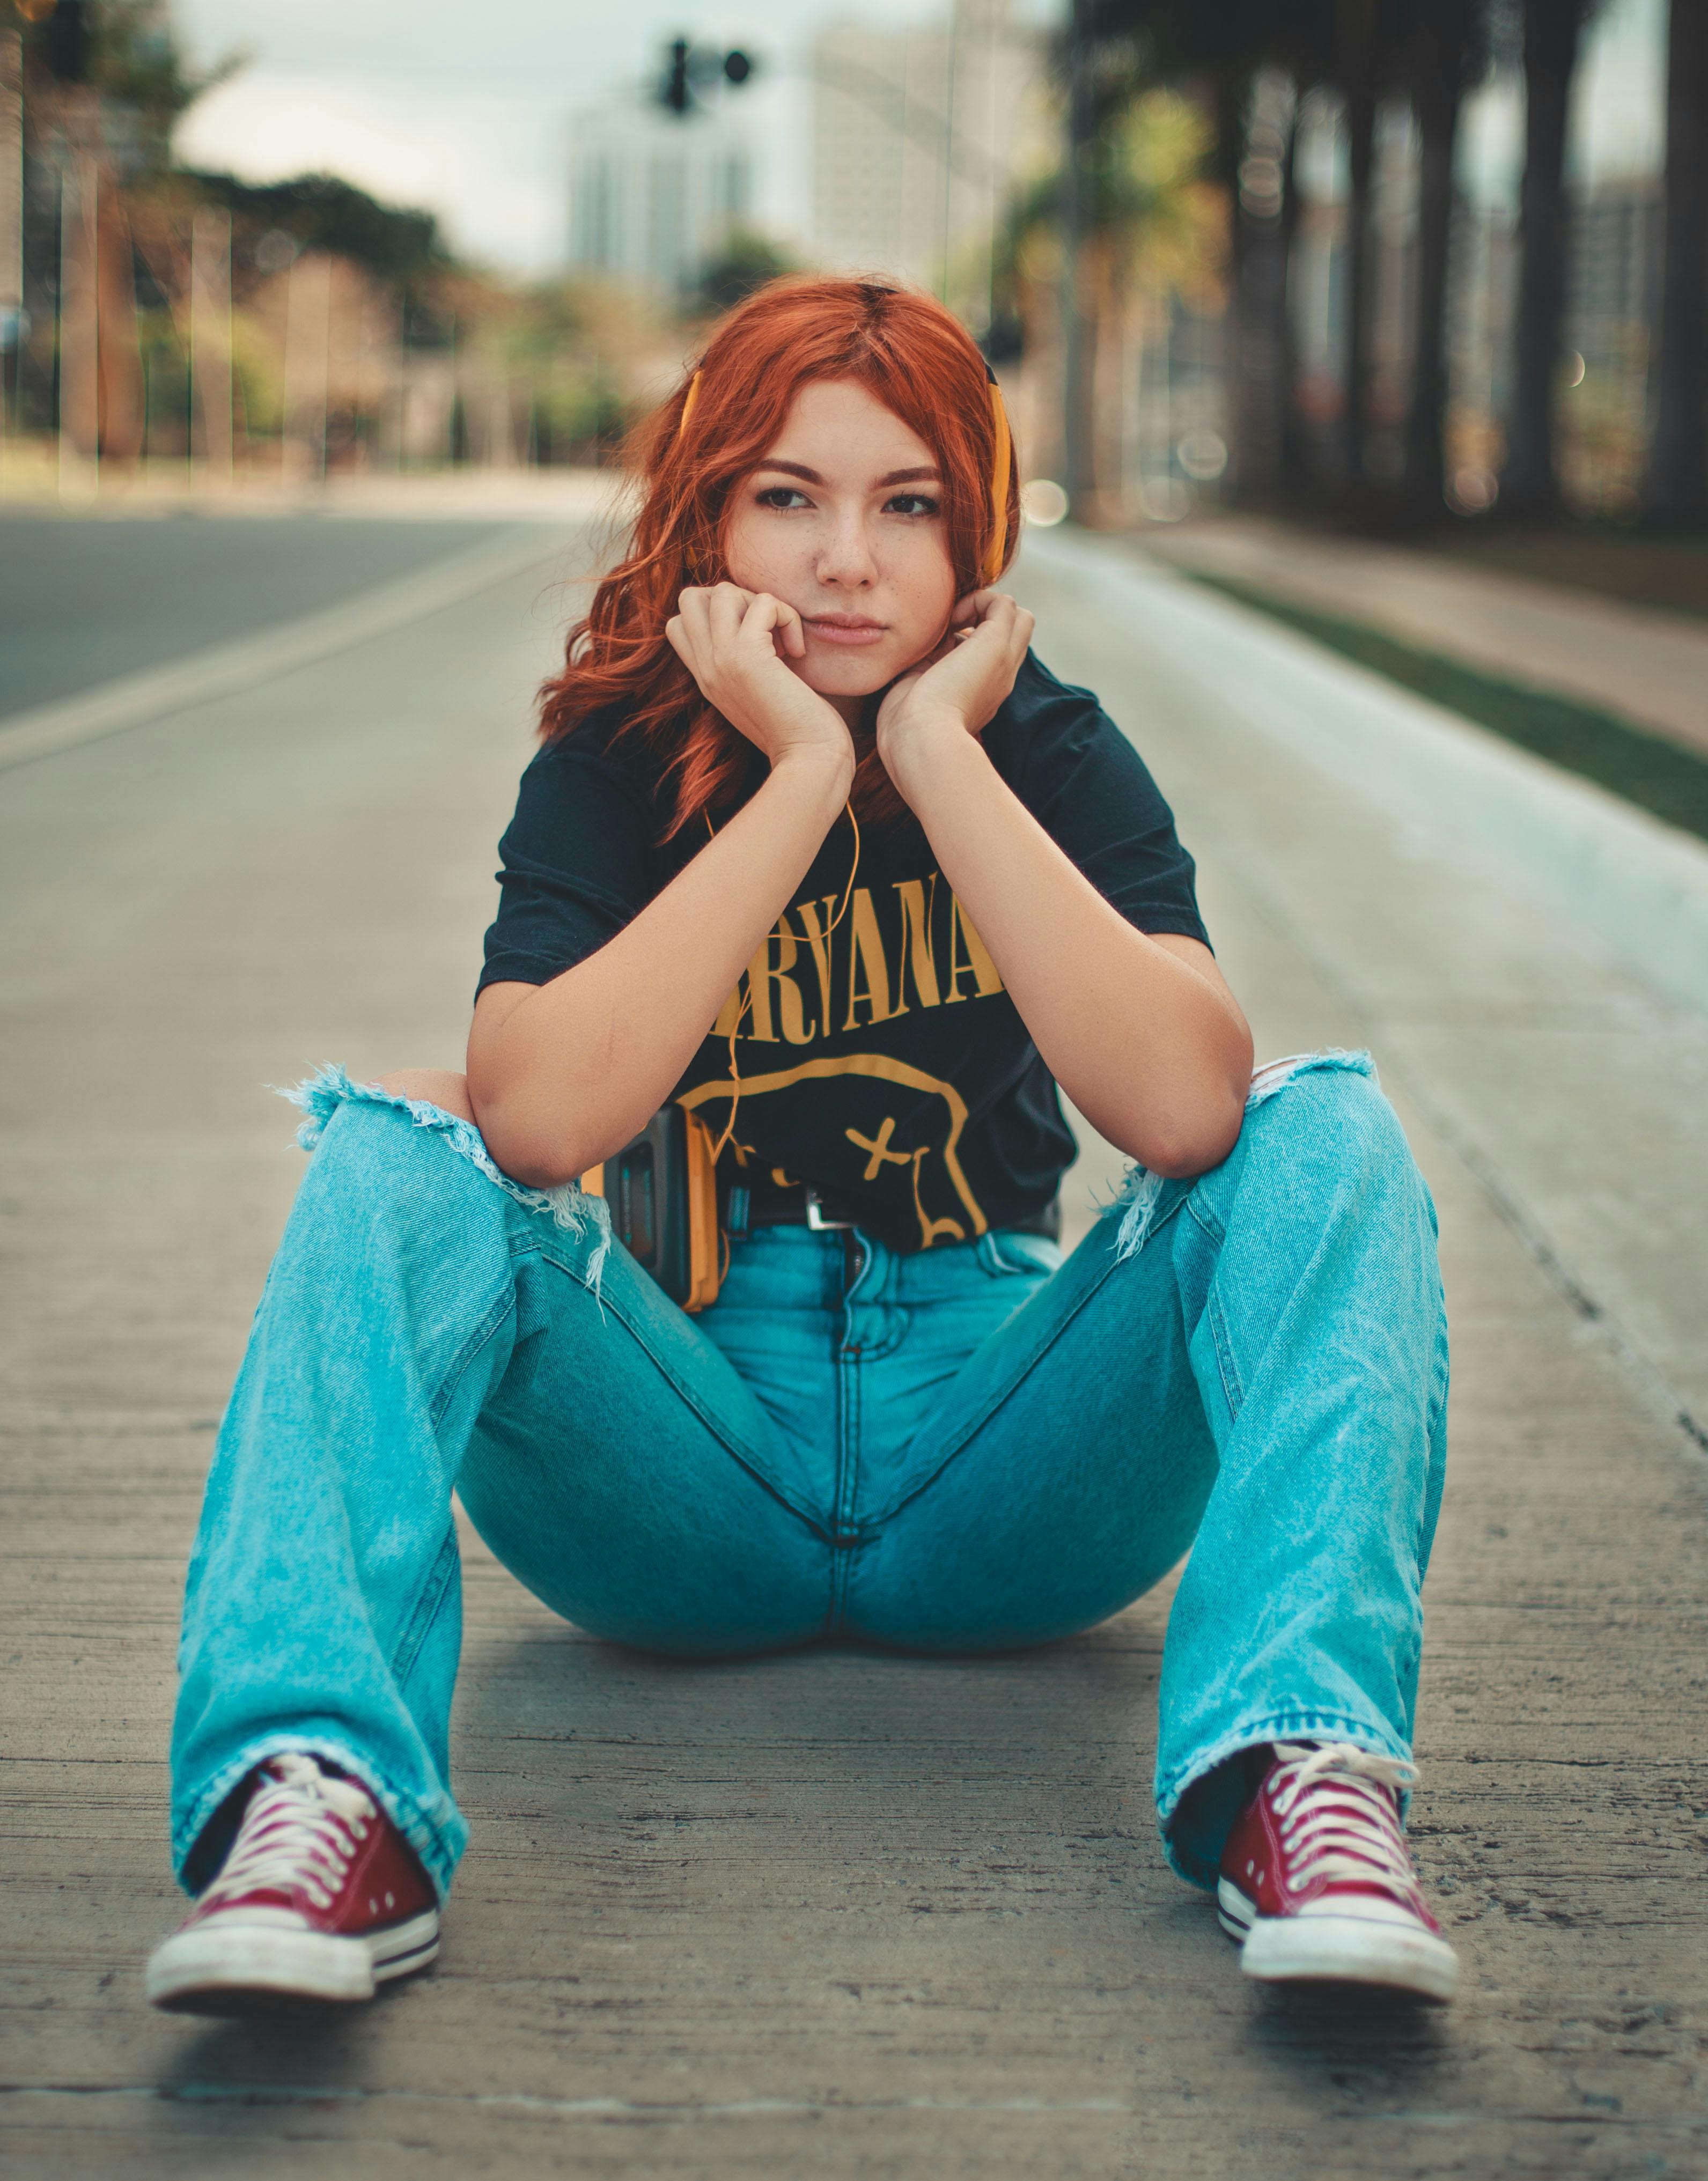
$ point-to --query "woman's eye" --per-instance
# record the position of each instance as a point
(782, 495)
(913, 503)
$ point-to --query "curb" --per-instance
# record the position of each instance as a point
(1633, 887)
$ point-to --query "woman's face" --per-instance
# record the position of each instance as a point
(843, 521)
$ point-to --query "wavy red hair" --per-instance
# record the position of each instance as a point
(910, 354)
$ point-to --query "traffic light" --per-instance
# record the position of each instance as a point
(68, 42)
(691, 71)
(675, 93)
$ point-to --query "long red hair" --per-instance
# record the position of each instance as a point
(911, 355)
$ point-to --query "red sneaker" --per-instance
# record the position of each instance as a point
(1318, 1881)
(320, 1897)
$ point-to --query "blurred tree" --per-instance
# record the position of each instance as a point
(1363, 65)
(1675, 490)
(1251, 60)
(401, 247)
(1443, 52)
(1552, 41)
(104, 85)
(746, 262)
(147, 86)
(1112, 50)
(1150, 225)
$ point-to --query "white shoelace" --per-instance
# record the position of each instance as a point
(300, 1830)
(1335, 1820)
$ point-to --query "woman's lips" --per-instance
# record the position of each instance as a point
(845, 631)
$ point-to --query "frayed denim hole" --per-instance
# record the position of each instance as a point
(428, 1604)
(1274, 1075)
(319, 1096)
(1141, 1194)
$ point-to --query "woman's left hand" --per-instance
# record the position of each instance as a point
(961, 686)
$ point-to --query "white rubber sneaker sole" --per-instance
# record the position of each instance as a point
(217, 1968)
(1355, 1950)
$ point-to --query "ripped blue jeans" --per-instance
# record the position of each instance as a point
(970, 1450)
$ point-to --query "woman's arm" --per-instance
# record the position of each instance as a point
(1141, 1033)
(562, 1075)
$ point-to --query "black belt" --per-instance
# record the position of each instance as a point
(766, 1203)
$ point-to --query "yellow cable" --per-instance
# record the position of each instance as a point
(848, 890)
(741, 1011)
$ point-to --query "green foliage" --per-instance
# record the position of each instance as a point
(748, 261)
(1151, 214)
(136, 58)
(1660, 776)
(322, 212)
(579, 418)
(134, 61)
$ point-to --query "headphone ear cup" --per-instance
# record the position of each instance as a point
(1001, 462)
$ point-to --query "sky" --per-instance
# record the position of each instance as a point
(467, 110)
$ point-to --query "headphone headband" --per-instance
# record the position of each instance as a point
(1002, 458)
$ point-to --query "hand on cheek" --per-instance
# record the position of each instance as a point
(961, 686)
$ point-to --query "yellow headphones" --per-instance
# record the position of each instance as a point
(996, 550)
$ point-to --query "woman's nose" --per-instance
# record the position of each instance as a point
(845, 556)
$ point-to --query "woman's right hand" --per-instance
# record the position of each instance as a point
(737, 644)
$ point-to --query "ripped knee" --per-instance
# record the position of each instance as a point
(443, 1087)
(329, 1089)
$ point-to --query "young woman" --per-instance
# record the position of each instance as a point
(816, 848)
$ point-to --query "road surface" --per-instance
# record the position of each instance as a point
(838, 1913)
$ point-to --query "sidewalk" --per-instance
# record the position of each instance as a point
(1647, 667)
(839, 1914)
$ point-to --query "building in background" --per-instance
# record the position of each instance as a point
(919, 137)
(654, 198)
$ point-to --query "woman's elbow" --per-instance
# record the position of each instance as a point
(538, 1156)
(1181, 1150)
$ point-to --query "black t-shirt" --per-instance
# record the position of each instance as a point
(881, 1060)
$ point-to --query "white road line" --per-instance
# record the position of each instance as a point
(222, 668)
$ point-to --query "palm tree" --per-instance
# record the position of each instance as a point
(1145, 222)
(1241, 53)
(1362, 31)
(1440, 53)
(1530, 485)
(1079, 339)
(1675, 492)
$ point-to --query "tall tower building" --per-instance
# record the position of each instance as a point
(654, 198)
(919, 136)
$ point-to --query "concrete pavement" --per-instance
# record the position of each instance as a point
(1643, 665)
(836, 1913)
(81, 602)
